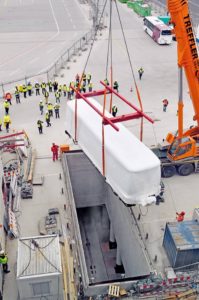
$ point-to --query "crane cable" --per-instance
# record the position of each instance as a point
(131, 67)
(92, 43)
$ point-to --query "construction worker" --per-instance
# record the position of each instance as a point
(47, 116)
(114, 110)
(29, 88)
(37, 88)
(77, 78)
(180, 216)
(17, 96)
(106, 81)
(55, 86)
(24, 90)
(68, 92)
(64, 90)
(8, 97)
(43, 87)
(20, 88)
(84, 77)
(56, 108)
(60, 89)
(140, 72)
(0, 125)
(90, 86)
(165, 104)
(6, 105)
(54, 150)
(7, 122)
(40, 126)
(84, 86)
(50, 86)
(46, 95)
(41, 107)
(116, 86)
(50, 109)
(72, 86)
(57, 96)
(4, 261)
(88, 78)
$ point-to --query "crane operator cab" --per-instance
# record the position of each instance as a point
(182, 148)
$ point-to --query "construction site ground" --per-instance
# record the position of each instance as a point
(159, 81)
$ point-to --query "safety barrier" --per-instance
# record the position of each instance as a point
(51, 72)
(182, 281)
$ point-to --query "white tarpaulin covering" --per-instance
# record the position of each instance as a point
(131, 169)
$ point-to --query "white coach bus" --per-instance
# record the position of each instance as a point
(160, 32)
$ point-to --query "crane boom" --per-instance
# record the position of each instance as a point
(181, 153)
(186, 47)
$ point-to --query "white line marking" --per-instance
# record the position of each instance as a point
(33, 60)
(39, 45)
(53, 12)
(5, 2)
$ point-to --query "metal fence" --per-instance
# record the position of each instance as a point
(51, 72)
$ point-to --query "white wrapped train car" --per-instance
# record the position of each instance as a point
(131, 169)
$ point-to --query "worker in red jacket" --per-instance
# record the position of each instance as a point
(54, 150)
(180, 216)
(165, 104)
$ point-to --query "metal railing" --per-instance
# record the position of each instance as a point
(52, 71)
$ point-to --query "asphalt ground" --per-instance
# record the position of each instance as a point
(159, 81)
(34, 33)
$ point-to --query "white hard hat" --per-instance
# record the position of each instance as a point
(41, 101)
(2, 252)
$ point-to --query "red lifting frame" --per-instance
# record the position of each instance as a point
(105, 120)
(111, 121)
(82, 96)
(139, 114)
(11, 135)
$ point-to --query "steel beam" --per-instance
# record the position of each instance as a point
(11, 135)
(93, 93)
(97, 110)
(127, 102)
(124, 118)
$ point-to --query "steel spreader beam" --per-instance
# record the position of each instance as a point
(104, 118)
(142, 114)
(11, 145)
(11, 135)
(124, 118)
(93, 94)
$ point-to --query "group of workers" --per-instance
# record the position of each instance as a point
(82, 84)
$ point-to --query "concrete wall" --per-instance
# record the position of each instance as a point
(131, 249)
